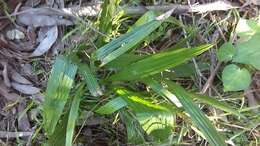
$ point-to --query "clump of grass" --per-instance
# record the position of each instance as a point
(111, 75)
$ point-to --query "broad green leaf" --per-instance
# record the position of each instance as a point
(157, 63)
(235, 78)
(226, 52)
(248, 52)
(58, 88)
(135, 134)
(90, 79)
(197, 116)
(73, 115)
(112, 106)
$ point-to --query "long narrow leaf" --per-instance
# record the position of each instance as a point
(198, 118)
(208, 100)
(58, 88)
(73, 115)
(158, 62)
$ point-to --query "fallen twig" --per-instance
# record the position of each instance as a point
(94, 9)
(210, 79)
(6, 134)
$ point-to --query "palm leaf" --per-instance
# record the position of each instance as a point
(57, 93)
(157, 63)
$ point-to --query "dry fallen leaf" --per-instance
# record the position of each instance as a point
(39, 17)
(5, 74)
(19, 78)
(6, 94)
(253, 92)
(47, 42)
(25, 89)
(23, 121)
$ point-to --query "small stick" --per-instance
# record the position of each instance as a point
(210, 79)
(93, 10)
(6, 134)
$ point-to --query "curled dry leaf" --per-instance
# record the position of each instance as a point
(5, 74)
(23, 121)
(19, 78)
(47, 42)
(4, 91)
(39, 17)
(25, 89)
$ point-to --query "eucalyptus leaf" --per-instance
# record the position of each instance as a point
(235, 78)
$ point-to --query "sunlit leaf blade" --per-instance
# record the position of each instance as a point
(112, 106)
(58, 88)
(151, 116)
(198, 118)
(73, 115)
(90, 79)
(159, 89)
(157, 63)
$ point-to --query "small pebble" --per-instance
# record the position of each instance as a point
(15, 34)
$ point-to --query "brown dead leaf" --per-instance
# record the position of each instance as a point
(5, 74)
(25, 89)
(253, 92)
(19, 78)
(4, 91)
(39, 17)
(23, 122)
(47, 42)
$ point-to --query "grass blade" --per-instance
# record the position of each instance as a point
(157, 63)
(106, 19)
(198, 118)
(90, 79)
(73, 115)
(57, 93)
